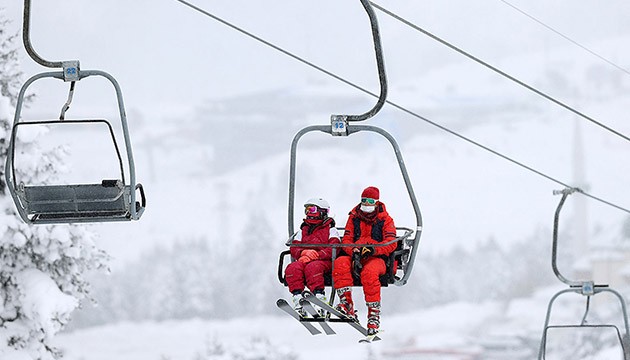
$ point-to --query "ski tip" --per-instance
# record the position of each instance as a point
(371, 338)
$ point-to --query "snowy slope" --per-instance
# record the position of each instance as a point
(183, 340)
(501, 330)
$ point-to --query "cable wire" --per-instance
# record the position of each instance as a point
(498, 71)
(399, 107)
(566, 37)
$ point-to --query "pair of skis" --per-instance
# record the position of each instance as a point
(307, 303)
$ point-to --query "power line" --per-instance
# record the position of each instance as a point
(498, 71)
(399, 107)
(566, 37)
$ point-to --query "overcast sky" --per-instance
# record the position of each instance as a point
(168, 57)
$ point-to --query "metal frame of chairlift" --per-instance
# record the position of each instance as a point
(111, 200)
(406, 253)
(584, 288)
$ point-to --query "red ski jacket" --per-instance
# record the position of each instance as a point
(370, 229)
(324, 233)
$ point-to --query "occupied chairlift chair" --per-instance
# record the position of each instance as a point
(584, 288)
(401, 261)
(109, 200)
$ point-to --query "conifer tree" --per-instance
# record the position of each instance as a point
(42, 268)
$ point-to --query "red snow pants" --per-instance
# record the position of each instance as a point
(373, 268)
(298, 274)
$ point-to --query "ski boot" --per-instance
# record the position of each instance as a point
(346, 305)
(374, 317)
(321, 296)
(297, 306)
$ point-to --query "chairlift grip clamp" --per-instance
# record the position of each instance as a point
(339, 125)
(588, 288)
(71, 70)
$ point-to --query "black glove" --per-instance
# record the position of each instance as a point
(366, 251)
(356, 264)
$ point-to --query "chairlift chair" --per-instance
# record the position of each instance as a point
(584, 288)
(402, 259)
(401, 262)
(103, 201)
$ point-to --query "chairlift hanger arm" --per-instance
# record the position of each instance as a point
(70, 67)
(380, 63)
(554, 252)
(26, 34)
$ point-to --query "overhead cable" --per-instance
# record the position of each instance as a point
(399, 107)
(498, 71)
(566, 37)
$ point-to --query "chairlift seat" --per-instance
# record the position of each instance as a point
(393, 263)
(396, 261)
(106, 201)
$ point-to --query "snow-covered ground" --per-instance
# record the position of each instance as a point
(454, 331)
(441, 329)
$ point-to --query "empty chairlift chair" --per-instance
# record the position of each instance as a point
(587, 289)
(104, 200)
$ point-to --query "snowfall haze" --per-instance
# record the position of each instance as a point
(212, 114)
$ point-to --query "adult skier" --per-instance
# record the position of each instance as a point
(368, 224)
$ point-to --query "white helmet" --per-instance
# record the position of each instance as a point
(319, 202)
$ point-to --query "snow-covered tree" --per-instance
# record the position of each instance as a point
(255, 275)
(42, 268)
(195, 277)
(10, 72)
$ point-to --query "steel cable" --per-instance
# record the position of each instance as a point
(498, 71)
(399, 107)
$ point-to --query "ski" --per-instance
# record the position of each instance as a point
(342, 317)
(370, 338)
(316, 317)
(284, 306)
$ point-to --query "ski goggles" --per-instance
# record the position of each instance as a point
(311, 209)
(368, 201)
